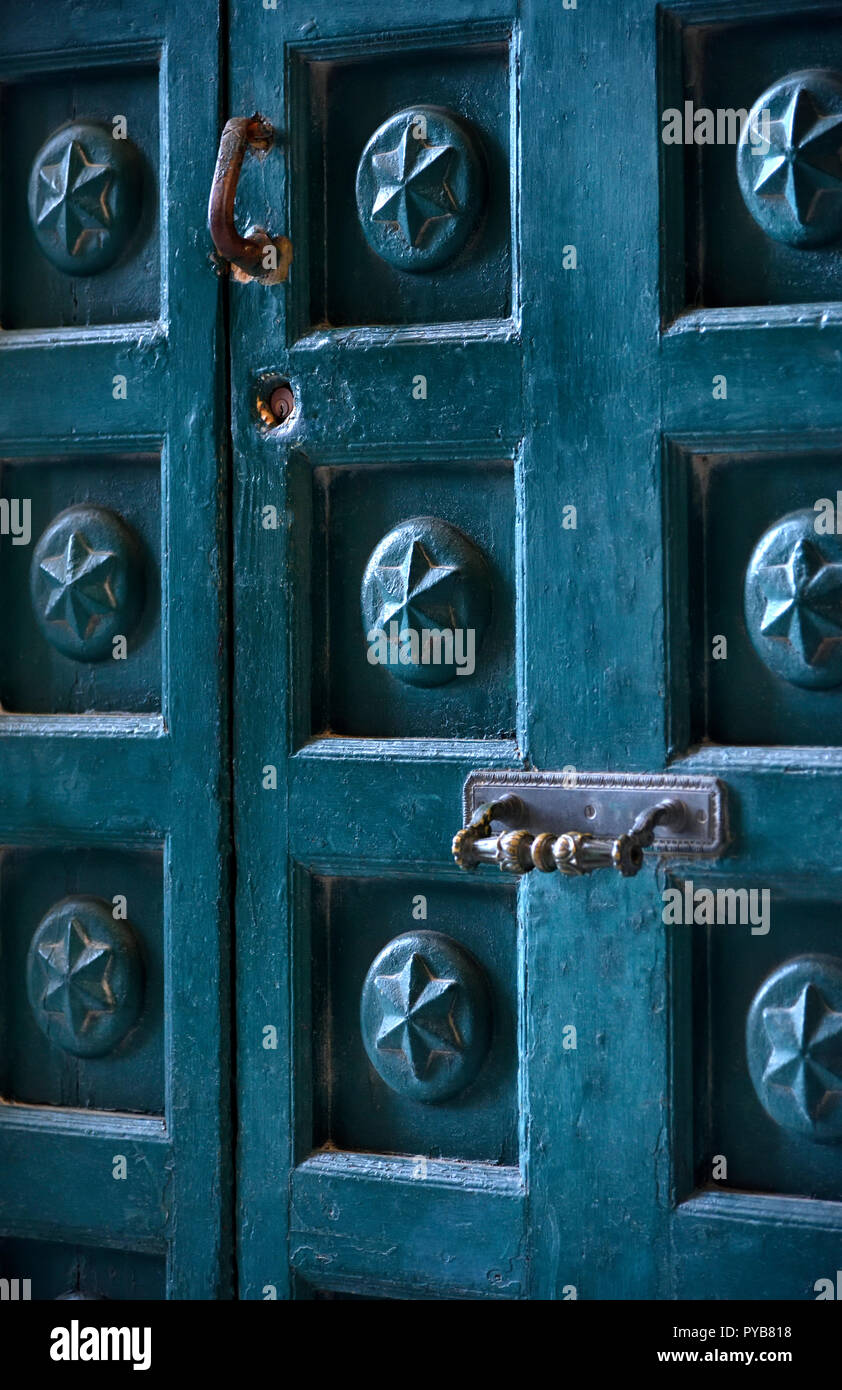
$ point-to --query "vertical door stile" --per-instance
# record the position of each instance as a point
(594, 653)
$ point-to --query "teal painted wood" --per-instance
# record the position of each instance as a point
(598, 1155)
(318, 833)
(135, 771)
(561, 1170)
(635, 1135)
(775, 440)
(596, 387)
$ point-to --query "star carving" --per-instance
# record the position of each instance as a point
(417, 591)
(806, 1057)
(73, 197)
(412, 187)
(418, 1015)
(803, 163)
(77, 968)
(803, 601)
(81, 581)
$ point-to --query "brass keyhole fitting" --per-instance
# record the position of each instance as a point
(275, 403)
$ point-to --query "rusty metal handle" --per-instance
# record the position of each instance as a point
(257, 255)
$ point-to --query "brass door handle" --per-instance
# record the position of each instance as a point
(257, 255)
(574, 852)
(684, 816)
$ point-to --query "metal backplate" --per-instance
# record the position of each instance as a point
(607, 803)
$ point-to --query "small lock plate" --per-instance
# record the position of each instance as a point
(607, 804)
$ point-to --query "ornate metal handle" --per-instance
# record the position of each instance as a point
(573, 853)
(257, 255)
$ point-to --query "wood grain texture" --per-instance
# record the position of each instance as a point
(379, 809)
(605, 374)
(144, 780)
(587, 1172)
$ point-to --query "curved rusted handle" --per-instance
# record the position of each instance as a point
(250, 254)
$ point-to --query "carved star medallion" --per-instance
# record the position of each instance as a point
(417, 591)
(82, 589)
(806, 1057)
(425, 598)
(425, 1016)
(84, 976)
(803, 601)
(803, 164)
(420, 188)
(77, 967)
(417, 1014)
(73, 199)
(411, 185)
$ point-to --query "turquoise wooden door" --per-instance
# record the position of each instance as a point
(114, 1137)
(540, 377)
(534, 483)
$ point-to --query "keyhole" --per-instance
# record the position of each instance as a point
(275, 403)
